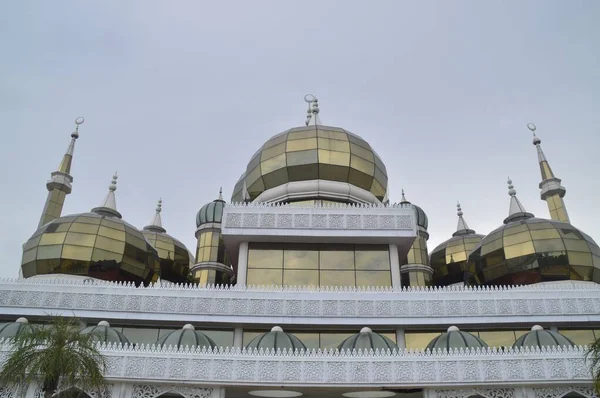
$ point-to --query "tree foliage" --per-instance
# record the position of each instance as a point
(593, 355)
(54, 355)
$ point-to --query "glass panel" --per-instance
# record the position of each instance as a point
(545, 234)
(376, 258)
(517, 238)
(519, 250)
(334, 145)
(336, 259)
(301, 259)
(80, 239)
(419, 340)
(306, 132)
(52, 239)
(579, 258)
(141, 335)
(301, 145)
(362, 165)
(222, 338)
(301, 157)
(310, 340)
(84, 228)
(273, 164)
(333, 340)
(549, 245)
(45, 252)
(503, 338)
(579, 337)
(265, 277)
(333, 157)
(337, 278)
(272, 151)
(292, 277)
(77, 253)
(259, 258)
(373, 278)
(362, 152)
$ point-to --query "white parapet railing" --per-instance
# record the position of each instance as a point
(355, 223)
(556, 303)
(403, 369)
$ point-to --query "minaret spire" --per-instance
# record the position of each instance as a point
(516, 210)
(156, 223)
(461, 228)
(109, 204)
(552, 191)
(312, 113)
(59, 185)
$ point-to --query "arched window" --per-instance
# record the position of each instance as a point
(573, 394)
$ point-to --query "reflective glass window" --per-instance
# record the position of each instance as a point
(300, 259)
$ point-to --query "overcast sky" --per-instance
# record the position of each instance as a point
(178, 95)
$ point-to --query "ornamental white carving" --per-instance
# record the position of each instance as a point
(155, 390)
(309, 305)
(561, 391)
(485, 392)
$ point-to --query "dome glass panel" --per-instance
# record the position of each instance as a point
(310, 153)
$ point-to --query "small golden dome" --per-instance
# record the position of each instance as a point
(449, 259)
(312, 153)
(531, 250)
(97, 244)
(175, 259)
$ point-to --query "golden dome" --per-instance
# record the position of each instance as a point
(341, 166)
(175, 259)
(98, 244)
(531, 250)
(449, 259)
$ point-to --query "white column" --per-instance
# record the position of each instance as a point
(242, 267)
(400, 339)
(238, 337)
(395, 265)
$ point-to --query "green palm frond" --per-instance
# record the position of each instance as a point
(56, 355)
(593, 355)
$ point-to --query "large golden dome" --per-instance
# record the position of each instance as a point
(96, 244)
(314, 162)
(528, 250)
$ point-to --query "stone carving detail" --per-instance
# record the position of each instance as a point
(6, 392)
(250, 220)
(485, 392)
(561, 391)
(404, 222)
(319, 221)
(233, 220)
(155, 390)
(370, 222)
(267, 221)
(347, 302)
(284, 221)
(353, 222)
(336, 221)
(302, 221)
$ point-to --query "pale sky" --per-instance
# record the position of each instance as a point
(178, 95)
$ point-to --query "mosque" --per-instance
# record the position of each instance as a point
(312, 282)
